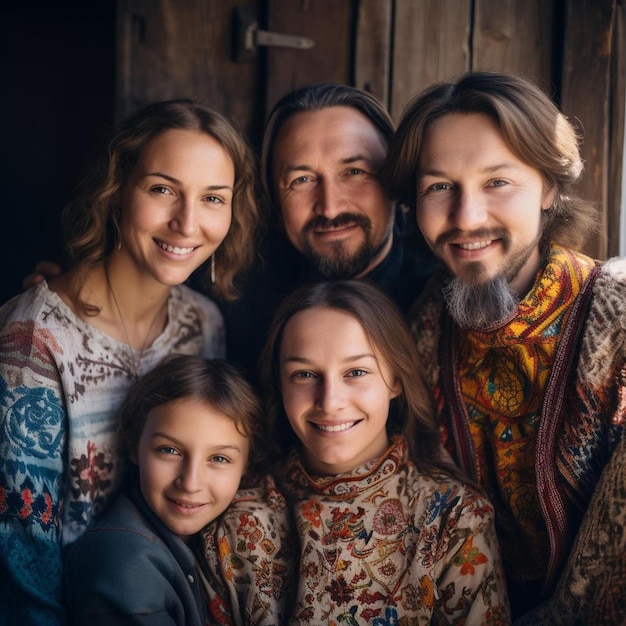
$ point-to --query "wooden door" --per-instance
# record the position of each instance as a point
(187, 48)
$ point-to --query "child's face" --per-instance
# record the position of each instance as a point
(191, 459)
(335, 390)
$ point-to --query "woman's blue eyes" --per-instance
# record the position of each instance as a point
(162, 190)
(168, 450)
(357, 372)
(350, 374)
(448, 186)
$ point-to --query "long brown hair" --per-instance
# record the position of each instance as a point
(411, 412)
(530, 123)
(91, 220)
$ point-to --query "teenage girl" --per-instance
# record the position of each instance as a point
(388, 531)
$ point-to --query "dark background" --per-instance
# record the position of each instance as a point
(57, 65)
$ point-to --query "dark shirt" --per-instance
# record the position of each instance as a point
(129, 568)
(402, 275)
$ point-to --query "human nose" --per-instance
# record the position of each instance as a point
(190, 476)
(330, 199)
(470, 211)
(329, 396)
(184, 219)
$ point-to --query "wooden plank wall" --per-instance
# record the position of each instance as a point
(329, 24)
(586, 97)
(575, 49)
(183, 49)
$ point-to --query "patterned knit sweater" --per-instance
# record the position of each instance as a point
(61, 383)
(386, 545)
(534, 407)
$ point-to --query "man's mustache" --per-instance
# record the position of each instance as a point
(482, 234)
(319, 222)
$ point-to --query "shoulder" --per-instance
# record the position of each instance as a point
(187, 299)
(196, 318)
(455, 502)
(260, 515)
(602, 354)
(119, 552)
(260, 506)
(611, 282)
(606, 322)
(37, 330)
(27, 305)
(122, 525)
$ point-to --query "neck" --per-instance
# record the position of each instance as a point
(135, 307)
(380, 256)
(139, 296)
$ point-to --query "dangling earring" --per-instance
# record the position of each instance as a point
(213, 268)
(116, 225)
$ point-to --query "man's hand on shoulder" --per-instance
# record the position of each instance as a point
(44, 270)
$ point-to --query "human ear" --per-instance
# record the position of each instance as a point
(395, 390)
(548, 198)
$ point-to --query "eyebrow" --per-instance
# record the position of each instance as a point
(346, 160)
(487, 170)
(178, 182)
(225, 446)
(348, 359)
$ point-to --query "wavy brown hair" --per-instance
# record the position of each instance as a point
(411, 412)
(191, 377)
(531, 125)
(90, 220)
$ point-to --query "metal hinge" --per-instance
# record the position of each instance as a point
(248, 37)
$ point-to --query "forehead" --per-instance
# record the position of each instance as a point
(338, 131)
(462, 138)
(183, 417)
(323, 330)
(184, 146)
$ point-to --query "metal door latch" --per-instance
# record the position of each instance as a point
(247, 36)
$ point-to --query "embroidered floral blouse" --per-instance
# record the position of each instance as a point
(61, 383)
(387, 545)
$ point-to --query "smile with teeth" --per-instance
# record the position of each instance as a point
(336, 428)
(476, 245)
(174, 249)
(185, 505)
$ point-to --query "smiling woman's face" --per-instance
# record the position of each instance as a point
(335, 389)
(176, 205)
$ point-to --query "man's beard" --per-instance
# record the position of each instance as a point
(337, 262)
(476, 304)
(480, 305)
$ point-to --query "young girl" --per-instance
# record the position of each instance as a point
(174, 188)
(388, 532)
(190, 427)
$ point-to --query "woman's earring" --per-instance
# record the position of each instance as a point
(116, 224)
(213, 268)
